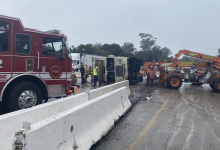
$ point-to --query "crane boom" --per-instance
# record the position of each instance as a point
(197, 55)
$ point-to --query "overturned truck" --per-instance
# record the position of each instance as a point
(134, 65)
(114, 69)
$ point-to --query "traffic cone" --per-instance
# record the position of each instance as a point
(77, 90)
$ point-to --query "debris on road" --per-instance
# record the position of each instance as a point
(148, 98)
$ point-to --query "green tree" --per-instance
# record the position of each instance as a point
(128, 49)
(165, 52)
(156, 53)
(95, 49)
(142, 55)
(116, 50)
(149, 50)
(113, 49)
(106, 47)
(147, 41)
(73, 49)
(85, 48)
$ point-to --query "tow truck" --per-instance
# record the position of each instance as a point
(210, 74)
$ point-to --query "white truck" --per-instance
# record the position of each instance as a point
(77, 58)
(112, 69)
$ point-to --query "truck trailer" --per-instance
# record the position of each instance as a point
(112, 69)
(77, 58)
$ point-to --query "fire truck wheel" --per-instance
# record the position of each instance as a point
(212, 86)
(217, 85)
(23, 95)
(174, 81)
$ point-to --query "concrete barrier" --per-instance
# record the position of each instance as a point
(106, 89)
(12, 122)
(79, 127)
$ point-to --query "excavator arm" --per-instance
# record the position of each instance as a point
(197, 55)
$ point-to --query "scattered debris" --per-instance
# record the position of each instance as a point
(148, 98)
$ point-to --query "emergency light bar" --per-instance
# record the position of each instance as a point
(55, 31)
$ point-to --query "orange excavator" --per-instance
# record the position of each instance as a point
(210, 74)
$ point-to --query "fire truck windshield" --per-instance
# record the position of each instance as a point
(68, 49)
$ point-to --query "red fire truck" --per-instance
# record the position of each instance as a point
(34, 65)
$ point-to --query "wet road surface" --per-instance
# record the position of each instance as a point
(187, 118)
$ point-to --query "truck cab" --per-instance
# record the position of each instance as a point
(34, 65)
(75, 61)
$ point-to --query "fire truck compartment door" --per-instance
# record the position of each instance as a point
(56, 90)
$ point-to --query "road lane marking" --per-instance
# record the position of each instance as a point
(142, 134)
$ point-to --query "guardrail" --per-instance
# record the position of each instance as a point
(103, 90)
(12, 122)
(79, 127)
(74, 121)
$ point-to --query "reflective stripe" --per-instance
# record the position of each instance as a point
(95, 71)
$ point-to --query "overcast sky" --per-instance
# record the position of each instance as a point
(177, 24)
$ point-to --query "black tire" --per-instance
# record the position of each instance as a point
(217, 85)
(212, 86)
(198, 84)
(132, 82)
(174, 81)
(29, 90)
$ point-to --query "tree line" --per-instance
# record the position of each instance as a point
(148, 51)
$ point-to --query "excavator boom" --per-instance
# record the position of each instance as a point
(197, 55)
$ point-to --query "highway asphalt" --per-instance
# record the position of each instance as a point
(165, 119)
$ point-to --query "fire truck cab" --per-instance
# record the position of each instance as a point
(34, 65)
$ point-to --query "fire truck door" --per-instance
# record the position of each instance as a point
(53, 65)
(5, 50)
(24, 53)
